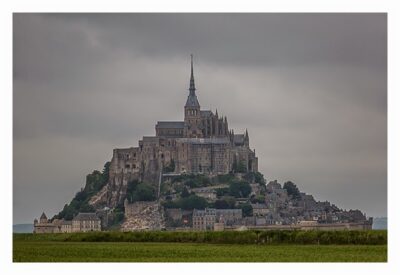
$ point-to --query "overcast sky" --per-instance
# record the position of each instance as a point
(310, 89)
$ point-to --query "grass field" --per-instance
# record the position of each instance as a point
(56, 251)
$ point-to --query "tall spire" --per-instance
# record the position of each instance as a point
(192, 98)
(192, 88)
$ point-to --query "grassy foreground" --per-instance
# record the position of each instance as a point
(48, 251)
(250, 246)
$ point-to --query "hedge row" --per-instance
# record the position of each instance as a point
(366, 237)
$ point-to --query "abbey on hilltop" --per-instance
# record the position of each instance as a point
(198, 174)
(201, 143)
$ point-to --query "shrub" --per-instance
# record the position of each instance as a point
(239, 189)
(223, 237)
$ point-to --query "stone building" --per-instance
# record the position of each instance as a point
(85, 222)
(66, 226)
(207, 218)
(201, 143)
(204, 219)
(260, 209)
(44, 225)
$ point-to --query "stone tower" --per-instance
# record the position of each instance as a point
(192, 110)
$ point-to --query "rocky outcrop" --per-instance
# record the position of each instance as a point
(143, 216)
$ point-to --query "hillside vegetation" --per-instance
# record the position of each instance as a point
(80, 203)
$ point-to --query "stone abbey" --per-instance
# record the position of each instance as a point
(201, 143)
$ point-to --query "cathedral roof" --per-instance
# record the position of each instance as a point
(170, 124)
(205, 113)
(43, 216)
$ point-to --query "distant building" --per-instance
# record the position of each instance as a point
(44, 225)
(206, 219)
(84, 222)
(260, 209)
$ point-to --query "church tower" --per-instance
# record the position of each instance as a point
(192, 110)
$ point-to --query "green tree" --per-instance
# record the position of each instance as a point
(259, 178)
(221, 204)
(258, 199)
(247, 209)
(239, 189)
(222, 192)
(106, 172)
(142, 192)
(185, 193)
(192, 202)
(225, 203)
(292, 190)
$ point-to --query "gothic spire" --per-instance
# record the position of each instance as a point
(192, 98)
(192, 87)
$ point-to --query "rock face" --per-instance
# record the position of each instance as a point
(143, 216)
(121, 172)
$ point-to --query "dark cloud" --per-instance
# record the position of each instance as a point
(311, 89)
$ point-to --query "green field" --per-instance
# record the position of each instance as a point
(247, 246)
(53, 251)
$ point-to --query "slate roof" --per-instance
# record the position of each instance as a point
(43, 216)
(86, 217)
(205, 113)
(192, 101)
(170, 124)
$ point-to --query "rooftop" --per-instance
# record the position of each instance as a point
(170, 124)
(86, 217)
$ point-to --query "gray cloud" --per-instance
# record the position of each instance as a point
(311, 89)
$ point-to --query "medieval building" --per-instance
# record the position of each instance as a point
(83, 222)
(201, 143)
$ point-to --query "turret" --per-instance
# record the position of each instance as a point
(43, 218)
